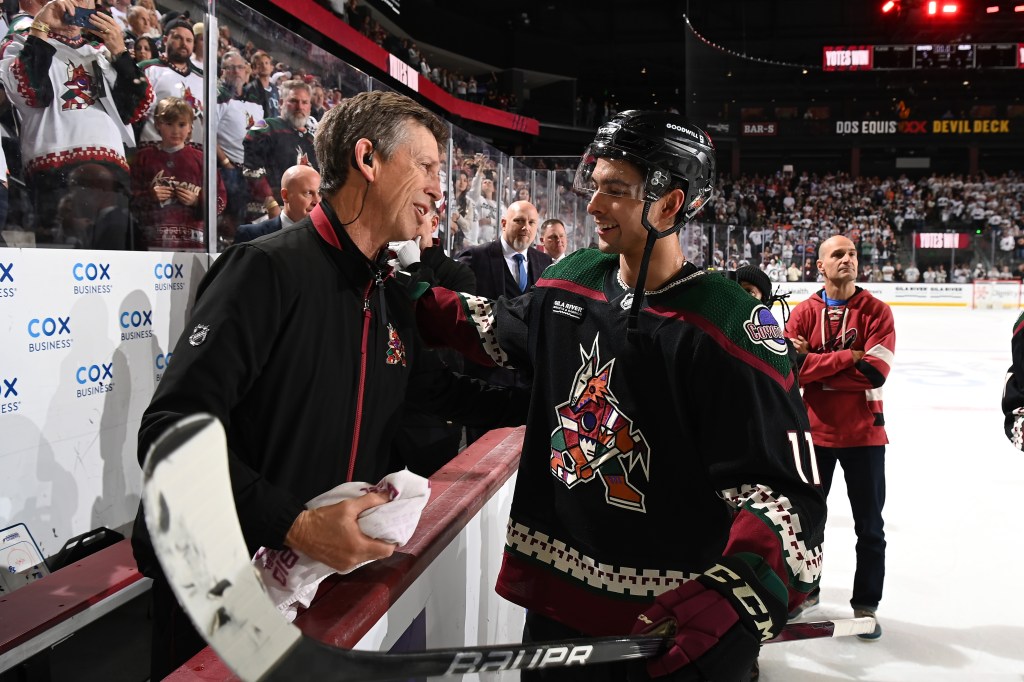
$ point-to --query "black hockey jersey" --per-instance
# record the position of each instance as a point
(643, 463)
(1013, 388)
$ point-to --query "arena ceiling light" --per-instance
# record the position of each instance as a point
(947, 8)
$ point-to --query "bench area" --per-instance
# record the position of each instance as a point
(43, 613)
(372, 608)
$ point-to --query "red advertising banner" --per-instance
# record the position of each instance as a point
(331, 25)
(942, 240)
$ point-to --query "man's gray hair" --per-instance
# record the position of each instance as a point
(381, 117)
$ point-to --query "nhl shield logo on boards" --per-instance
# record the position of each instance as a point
(198, 334)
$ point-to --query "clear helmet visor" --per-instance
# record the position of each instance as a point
(617, 173)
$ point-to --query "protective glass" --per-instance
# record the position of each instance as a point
(636, 179)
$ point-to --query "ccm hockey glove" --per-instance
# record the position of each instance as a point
(718, 621)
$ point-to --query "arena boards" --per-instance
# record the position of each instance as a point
(194, 526)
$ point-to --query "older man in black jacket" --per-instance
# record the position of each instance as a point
(304, 345)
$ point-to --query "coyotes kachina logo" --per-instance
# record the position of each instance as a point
(594, 440)
(79, 94)
(396, 349)
(193, 101)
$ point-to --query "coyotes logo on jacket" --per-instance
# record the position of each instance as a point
(595, 440)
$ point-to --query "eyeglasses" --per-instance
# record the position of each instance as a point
(238, 67)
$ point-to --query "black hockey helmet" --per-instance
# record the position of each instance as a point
(668, 150)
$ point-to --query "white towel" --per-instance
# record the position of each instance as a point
(291, 578)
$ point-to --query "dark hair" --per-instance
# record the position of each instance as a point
(380, 116)
(178, 23)
(154, 47)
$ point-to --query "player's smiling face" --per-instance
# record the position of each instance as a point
(615, 209)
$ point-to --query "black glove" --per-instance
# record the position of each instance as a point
(718, 620)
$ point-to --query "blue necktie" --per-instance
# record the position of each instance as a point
(521, 262)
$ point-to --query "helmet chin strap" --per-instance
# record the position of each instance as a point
(653, 235)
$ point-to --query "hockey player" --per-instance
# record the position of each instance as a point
(1013, 388)
(667, 476)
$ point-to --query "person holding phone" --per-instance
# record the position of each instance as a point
(81, 120)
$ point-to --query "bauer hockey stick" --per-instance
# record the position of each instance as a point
(190, 512)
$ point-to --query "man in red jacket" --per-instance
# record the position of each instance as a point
(845, 340)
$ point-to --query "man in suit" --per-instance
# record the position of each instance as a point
(552, 236)
(506, 267)
(300, 191)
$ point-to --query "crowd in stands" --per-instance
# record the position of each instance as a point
(778, 221)
(91, 139)
(485, 91)
(79, 107)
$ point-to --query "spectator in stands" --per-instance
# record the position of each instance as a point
(154, 18)
(356, 14)
(235, 117)
(554, 239)
(482, 197)
(67, 122)
(198, 29)
(119, 10)
(137, 21)
(145, 49)
(167, 184)
(21, 20)
(317, 101)
(260, 89)
(1007, 242)
(278, 143)
(912, 274)
(174, 75)
(300, 192)
(459, 222)
(793, 272)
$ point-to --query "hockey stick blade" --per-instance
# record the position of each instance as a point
(191, 516)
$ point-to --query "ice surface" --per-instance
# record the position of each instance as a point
(953, 607)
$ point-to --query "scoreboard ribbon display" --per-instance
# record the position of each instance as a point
(954, 56)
